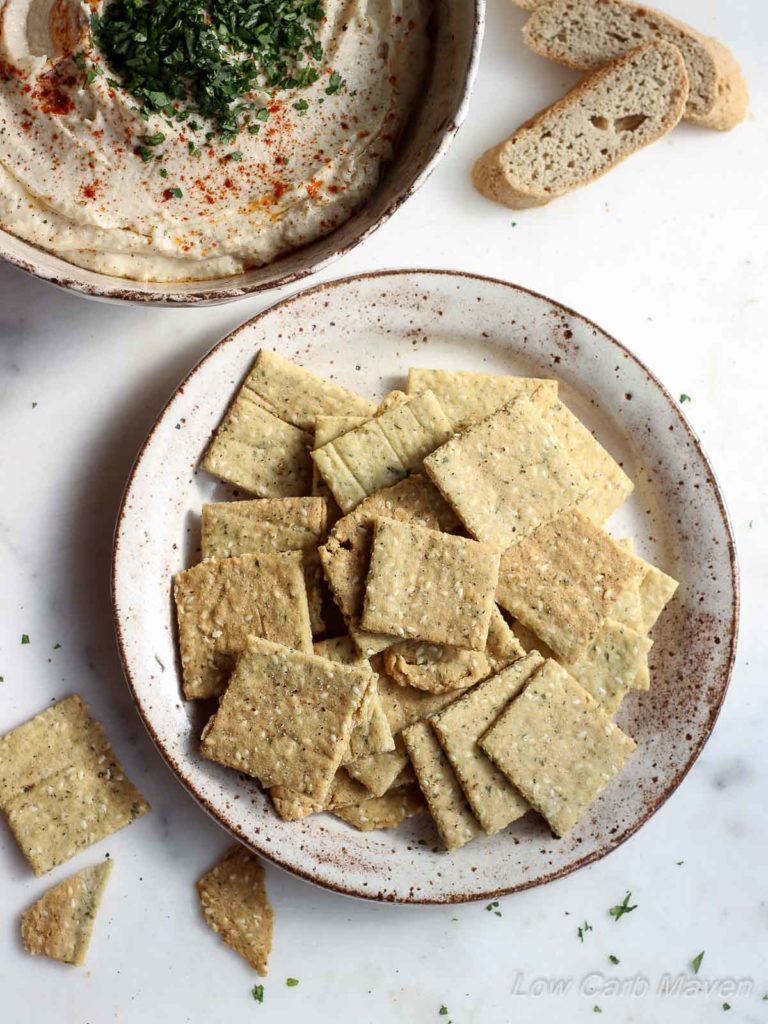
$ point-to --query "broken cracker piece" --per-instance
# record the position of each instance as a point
(445, 798)
(61, 786)
(235, 905)
(59, 925)
(495, 802)
(219, 604)
(286, 717)
(557, 746)
(563, 580)
(387, 811)
(429, 586)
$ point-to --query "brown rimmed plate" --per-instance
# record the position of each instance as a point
(365, 332)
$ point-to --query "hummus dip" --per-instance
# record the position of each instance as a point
(73, 179)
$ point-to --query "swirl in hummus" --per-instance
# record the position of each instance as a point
(73, 180)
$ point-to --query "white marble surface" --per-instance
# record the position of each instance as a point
(669, 254)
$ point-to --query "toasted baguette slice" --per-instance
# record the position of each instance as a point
(589, 33)
(606, 117)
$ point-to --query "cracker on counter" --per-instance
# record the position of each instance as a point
(382, 451)
(219, 604)
(429, 586)
(563, 580)
(445, 798)
(286, 717)
(61, 785)
(346, 554)
(507, 474)
(298, 396)
(613, 664)
(233, 528)
(234, 903)
(387, 811)
(557, 746)
(255, 450)
(608, 486)
(59, 925)
(379, 771)
(467, 397)
(494, 800)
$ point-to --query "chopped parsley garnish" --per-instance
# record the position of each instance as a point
(622, 908)
(153, 140)
(335, 83)
(679, 862)
(34, 405)
(236, 155)
(258, 993)
(175, 193)
(25, 638)
(301, 105)
(145, 153)
(291, 982)
(582, 930)
(443, 1011)
(208, 56)
(596, 1009)
(163, 172)
(614, 959)
(684, 398)
(726, 1006)
(494, 907)
(696, 962)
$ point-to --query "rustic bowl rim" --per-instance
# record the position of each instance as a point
(119, 290)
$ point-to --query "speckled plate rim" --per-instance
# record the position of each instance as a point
(38, 262)
(724, 673)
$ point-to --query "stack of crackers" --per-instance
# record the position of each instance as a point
(491, 626)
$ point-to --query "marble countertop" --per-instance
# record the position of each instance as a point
(669, 255)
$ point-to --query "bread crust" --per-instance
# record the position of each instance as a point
(731, 95)
(492, 175)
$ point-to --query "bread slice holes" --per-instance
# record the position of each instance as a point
(630, 123)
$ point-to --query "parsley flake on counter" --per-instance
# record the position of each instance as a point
(494, 907)
(726, 1006)
(258, 993)
(34, 405)
(291, 982)
(696, 962)
(443, 1011)
(25, 638)
(684, 398)
(614, 959)
(622, 908)
(679, 862)
(596, 1009)
(582, 930)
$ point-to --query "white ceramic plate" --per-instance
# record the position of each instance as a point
(365, 332)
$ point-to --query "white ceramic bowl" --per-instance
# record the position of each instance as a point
(456, 36)
(366, 332)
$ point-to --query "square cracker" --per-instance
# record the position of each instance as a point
(382, 451)
(557, 746)
(608, 486)
(328, 428)
(641, 604)
(61, 786)
(234, 903)
(439, 668)
(346, 554)
(59, 925)
(445, 798)
(387, 811)
(219, 604)
(286, 717)
(404, 705)
(429, 586)
(563, 580)
(254, 449)
(467, 397)
(233, 528)
(615, 662)
(507, 474)
(494, 800)
(298, 396)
